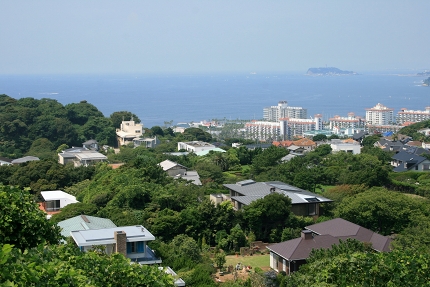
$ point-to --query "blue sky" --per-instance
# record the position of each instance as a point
(158, 36)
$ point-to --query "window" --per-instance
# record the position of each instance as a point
(135, 247)
(312, 209)
(52, 205)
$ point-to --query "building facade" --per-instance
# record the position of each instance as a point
(412, 116)
(351, 121)
(128, 131)
(282, 110)
(285, 128)
(379, 115)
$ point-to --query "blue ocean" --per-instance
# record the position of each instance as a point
(185, 98)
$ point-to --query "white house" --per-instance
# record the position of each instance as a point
(54, 200)
(195, 146)
(346, 146)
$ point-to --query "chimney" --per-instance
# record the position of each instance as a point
(121, 242)
(306, 234)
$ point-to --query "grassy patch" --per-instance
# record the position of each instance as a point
(253, 261)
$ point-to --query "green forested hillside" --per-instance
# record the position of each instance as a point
(43, 125)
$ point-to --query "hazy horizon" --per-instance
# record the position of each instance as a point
(192, 37)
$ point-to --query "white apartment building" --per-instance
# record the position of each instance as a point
(379, 115)
(351, 121)
(282, 110)
(285, 128)
(413, 116)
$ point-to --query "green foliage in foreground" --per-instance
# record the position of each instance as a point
(396, 268)
(22, 223)
(65, 265)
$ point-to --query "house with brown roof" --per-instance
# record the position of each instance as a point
(305, 143)
(289, 255)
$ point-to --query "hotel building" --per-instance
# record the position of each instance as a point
(282, 110)
(379, 115)
(351, 121)
(285, 128)
(412, 116)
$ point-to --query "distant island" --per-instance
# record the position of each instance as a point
(328, 71)
(426, 82)
(424, 74)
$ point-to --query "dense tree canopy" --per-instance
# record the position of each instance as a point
(22, 223)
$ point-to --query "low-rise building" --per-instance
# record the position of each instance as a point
(5, 161)
(54, 200)
(131, 241)
(146, 142)
(84, 222)
(128, 131)
(289, 255)
(303, 202)
(177, 170)
(80, 157)
(24, 159)
(350, 146)
(195, 146)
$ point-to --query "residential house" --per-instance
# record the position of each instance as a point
(425, 132)
(388, 145)
(91, 145)
(131, 241)
(263, 146)
(146, 142)
(304, 203)
(359, 136)
(80, 157)
(349, 146)
(195, 146)
(306, 144)
(296, 149)
(177, 170)
(128, 131)
(405, 161)
(84, 222)
(289, 255)
(5, 161)
(24, 159)
(54, 200)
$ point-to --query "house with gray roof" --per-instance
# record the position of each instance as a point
(405, 161)
(289, 255)
(177, 170)
(303, 202)
(84, 222)
(24, 159)
(5, 161)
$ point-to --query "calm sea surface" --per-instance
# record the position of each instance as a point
(184, 98)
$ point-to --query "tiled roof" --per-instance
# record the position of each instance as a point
(300, 248)
(84, 222)
(327, 234)
(344, 229)
(304, 142)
